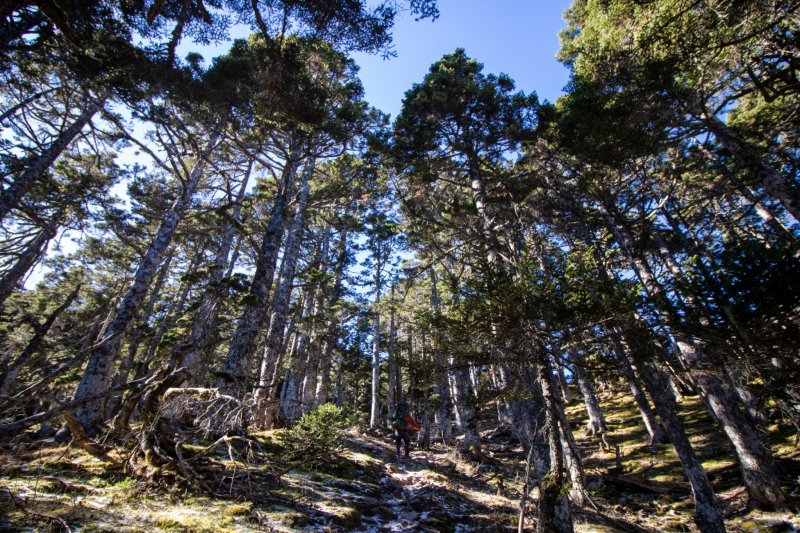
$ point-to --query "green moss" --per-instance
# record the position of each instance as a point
(345, 516)
(238, 509)
(194, 523)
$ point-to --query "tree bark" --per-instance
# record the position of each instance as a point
(190, 354)
(654, 429)
(98, 370)
(273, 354)
(375, 400)
(553, 510)
(442, 413)
(707, 514)
(326, 359)
(236, 368)
(22, 184)
(33, 252)
(758, 170)
(755, 461)
(391, 364)
(597, 422)
(35, 344)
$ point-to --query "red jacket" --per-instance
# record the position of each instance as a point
(414, 425)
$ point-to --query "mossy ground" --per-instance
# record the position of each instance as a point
(362, 488)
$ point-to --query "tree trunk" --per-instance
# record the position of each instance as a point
(22, 184)
(566, 396)
(553, 509)
(33, 252)
(442, 413)
(707, 515)
(273, 355)
(755, 462)
(656, 431)
(326, 359)
(391, 365)
(463, 404)
(136, 336)
(98, 370)
(375, 405)
(289, 398)
(236, 367)
(34, 345)
(202, 337)
(597, 422)
(758, 170)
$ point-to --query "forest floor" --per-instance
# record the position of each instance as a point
(49, 487)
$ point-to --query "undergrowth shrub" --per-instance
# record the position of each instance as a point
(317, 435)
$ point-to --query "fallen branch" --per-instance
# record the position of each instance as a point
(82, 440)
(14, 427)
(19, 504)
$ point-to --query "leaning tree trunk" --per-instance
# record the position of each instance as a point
(763, 211)
(326, 358)
(22, 184)
(34, 250)
(136, 336)
(236, 367)
(707, 514)
(98, 370)
(190, 354)
(759, 171)
(272, 357)
(35, 344)
(597, 422)
(755, 461)
(654, 429)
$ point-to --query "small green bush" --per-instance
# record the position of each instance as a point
(317, 435)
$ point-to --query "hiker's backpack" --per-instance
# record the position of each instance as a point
(399, 421)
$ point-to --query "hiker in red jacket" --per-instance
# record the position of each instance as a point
(403, 424)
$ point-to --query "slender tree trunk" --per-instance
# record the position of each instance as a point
(98, 370)
(190, 354)
(442, 414)
(317, 330)
(290, 392)
(34, 345)
(562, 380)
(236, 367)
(271, 361)
(656, 431)
(766, 215)
(22, 184)
(136, 336)
(755, 461)
(375, 404)
(391, 365)
(171, 316)
(326, 359)
(425, 436)
(707, 514)
(758, 170)
(464, 409)
(33, 252)
(597, 422)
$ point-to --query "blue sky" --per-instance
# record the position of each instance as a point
(516, 37)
